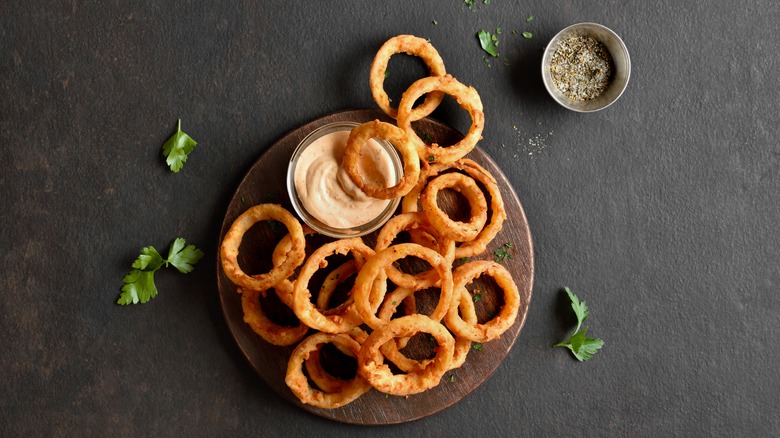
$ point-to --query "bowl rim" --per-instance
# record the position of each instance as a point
(552, 47)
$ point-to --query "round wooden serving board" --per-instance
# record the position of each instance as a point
(266, 182)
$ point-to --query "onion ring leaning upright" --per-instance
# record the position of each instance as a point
(411, 45)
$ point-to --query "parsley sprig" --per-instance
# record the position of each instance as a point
(177, 148)
(139, 284)
(582, 346)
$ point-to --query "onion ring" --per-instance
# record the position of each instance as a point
(299, 384)
(232, 241)
(371, 364)
(401, 296)
(478, 245)
(391, 350)
(255, 316)
(329, 285)
(413, 222)
(503, 320)
(324, 380)
(467, 98)
(459, 231)
(302, 305)
(410, 45)
(400, 141)
(375, 268)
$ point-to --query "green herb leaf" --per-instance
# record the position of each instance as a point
(486, 42)
(149, 260)
(469, 3)
(477, 346)
(139, 284)
(182, 256)
(502, 253)
(477, 297)
(529, 19)
(528, 35)
(580, 345)
(580, 308)
(138, 287)
(177, 148)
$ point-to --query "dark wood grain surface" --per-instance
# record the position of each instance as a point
(266, 182)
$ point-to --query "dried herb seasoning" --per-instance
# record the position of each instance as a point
(581, 68)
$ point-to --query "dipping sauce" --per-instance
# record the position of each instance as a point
(325, 190)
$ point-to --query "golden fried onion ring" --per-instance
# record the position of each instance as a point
(384, 131)
(478, 245)
(299, 384)
(414, 46)
(467, 98)
(503, 320)
(232, 241)
(375, 268)
(272, 332)
(371, 364)
(498, 215)
(410, 222)
(446, 227)
(302, 305)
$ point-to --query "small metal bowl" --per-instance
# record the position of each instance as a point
(620, 59)
(309, 218)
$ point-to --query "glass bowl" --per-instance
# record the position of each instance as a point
(315, 223)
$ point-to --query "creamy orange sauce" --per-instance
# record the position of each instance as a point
(326, 191)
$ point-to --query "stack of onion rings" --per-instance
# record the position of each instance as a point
(364, 325)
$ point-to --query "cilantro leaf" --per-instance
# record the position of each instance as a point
(183, 257)
(138, 287)
(580, 345)
(528, 35)
(177, 148)
(486, 42)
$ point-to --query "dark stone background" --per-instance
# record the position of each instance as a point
(660, 211)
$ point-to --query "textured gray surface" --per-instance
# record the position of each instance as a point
(660, 211)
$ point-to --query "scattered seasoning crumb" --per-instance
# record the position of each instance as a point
(435, 22)
(532, 145)
(581, 68)
(528, 35)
